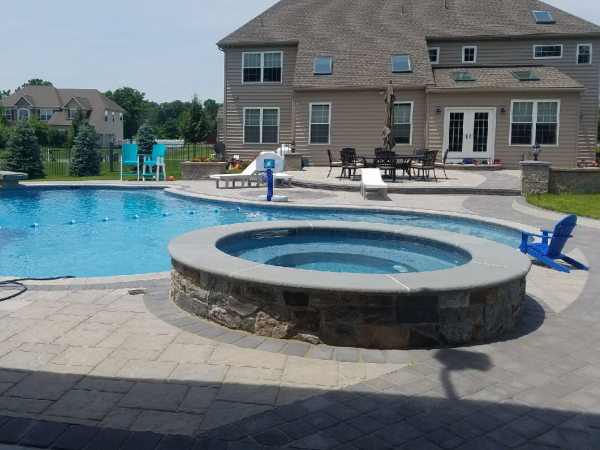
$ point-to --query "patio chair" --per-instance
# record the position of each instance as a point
(332, 162)
(386, 161)
(420, 151)
(349, 162)
(443, 163)
(129, 157)
(156, 160)
(378, 150)
(427, 164)
(551, 247)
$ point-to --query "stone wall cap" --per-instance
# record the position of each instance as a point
(535, 163)
(575, 169)
(10, 176)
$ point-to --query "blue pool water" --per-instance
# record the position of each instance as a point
(124, 244)
(349, 254)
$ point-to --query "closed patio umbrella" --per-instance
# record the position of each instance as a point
(388, 136)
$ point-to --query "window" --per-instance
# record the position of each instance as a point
(8, 114)
(402, 127)
(72, 113)
(261, 125)
(121, 116)
(525, 76)
(113, 116)
(462, 76)
(434, 55)
(22, 114)
(584, 53)
(469, 55)
(534, 122)
(262, 67)
(547, 51)
(45, 114)
(320, 120)
(401, 64)
(543, 17)
(323, 65)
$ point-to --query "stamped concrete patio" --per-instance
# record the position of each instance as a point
(85, 363)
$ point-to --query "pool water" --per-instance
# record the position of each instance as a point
(139, 226)
(344, 254)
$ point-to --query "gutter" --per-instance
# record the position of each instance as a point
(492, 89)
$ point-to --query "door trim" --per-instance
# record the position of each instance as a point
(491, 130)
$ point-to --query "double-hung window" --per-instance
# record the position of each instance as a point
(22, 114)
(547, 51)
(584, 53)
(402, 127)
(45, 114)
(434, 55)
(261, 125)
(469, 55)
(534, 122)
(320, 123)
(72, 113)
(8, 114)
(262, 67)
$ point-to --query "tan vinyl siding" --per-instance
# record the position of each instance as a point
(256, 95)
(520, 51)
(510, 156)
(357, 120)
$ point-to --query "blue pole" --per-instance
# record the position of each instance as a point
(269, 185)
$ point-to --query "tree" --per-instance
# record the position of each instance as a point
(194, 125)
(4, 93)
(5, 131)
(135, 105)
(85, 159)
(23, 152)
(145, 138)
(35, 82)
(80, 119)
(212, 109)
(40, 129)
(57, 138)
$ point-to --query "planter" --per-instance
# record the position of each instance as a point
(202, 170)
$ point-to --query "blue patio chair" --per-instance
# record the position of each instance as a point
(157, 159)
(129, 157)
(551, 247)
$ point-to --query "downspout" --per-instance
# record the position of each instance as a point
(224, 98)
(293, 134)
(578, 128)
(426, 140)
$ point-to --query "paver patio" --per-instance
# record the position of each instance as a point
(86, 365)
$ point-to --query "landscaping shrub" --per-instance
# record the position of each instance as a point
(85, 159)
(23, 152)
(145, 138)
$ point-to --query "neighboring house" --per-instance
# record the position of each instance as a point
(57, 107)
(486, 79)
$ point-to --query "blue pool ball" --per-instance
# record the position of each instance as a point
(191, 213)
(72, 222)
(237, 208)
(165, 214)
(136, 217)
(105, 219)
(34, 225)
(216, 210)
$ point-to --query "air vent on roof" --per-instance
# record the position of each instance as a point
(543, 17)
(526, 76)
(462, 76)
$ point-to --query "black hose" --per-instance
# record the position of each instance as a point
(23, 288)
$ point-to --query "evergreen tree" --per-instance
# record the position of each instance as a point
(78, 121)
(194, 124)
(145, 138)
(23, 152)
(40, 129)
(85, 159)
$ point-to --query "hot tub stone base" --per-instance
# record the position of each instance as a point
(350, 319)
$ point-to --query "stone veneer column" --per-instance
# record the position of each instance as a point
(534, 177)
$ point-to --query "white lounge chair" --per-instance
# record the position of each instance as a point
(249, 175)
(371, 180)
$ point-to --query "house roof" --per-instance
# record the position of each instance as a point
(503, 78)
(362, 35)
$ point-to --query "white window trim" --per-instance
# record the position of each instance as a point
(409, 63)
(8, 114)
(562, 51)
(71, 116)
(310, 107)
(463, 54)
(261, 125)
(23, 109)
(46, 120)
(437, 61)
(534, 118)
(412, 112)
(262, 69)
(577, 54)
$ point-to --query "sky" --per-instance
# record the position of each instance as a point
(164, 48)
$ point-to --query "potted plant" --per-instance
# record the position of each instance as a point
(202, 168)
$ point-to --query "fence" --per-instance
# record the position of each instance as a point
(57, 159)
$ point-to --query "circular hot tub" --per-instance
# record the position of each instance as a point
(357, 285)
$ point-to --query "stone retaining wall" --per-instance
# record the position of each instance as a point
(574, 181)
(202, 171)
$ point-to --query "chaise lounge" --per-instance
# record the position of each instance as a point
(371, 180)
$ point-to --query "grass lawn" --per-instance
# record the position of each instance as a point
(587, 205)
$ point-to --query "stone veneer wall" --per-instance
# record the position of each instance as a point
(202, 171)
(350, 319)
(574, 181)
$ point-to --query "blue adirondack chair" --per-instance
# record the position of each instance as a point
(551, 247)
(129, 157)
(157, 160)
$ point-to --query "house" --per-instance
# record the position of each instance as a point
(484, 79)
(57, 107)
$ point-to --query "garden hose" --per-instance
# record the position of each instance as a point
(23, 288)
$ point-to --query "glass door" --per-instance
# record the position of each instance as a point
(470, 133)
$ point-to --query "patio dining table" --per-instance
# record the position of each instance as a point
(403, 162)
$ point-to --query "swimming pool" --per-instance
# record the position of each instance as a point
(127, 231)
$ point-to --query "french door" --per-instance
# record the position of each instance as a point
(470, 133)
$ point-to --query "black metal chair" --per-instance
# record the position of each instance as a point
(349, 162)
(219, 149)
(386, 161)
(444, 158)
(333, 162)
(427, 164)
(420, 151)
(378, 150)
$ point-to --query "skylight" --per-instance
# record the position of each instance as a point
(462, 76)
(323, 65)
(526, 76)
(543, 17)
(401, 63)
